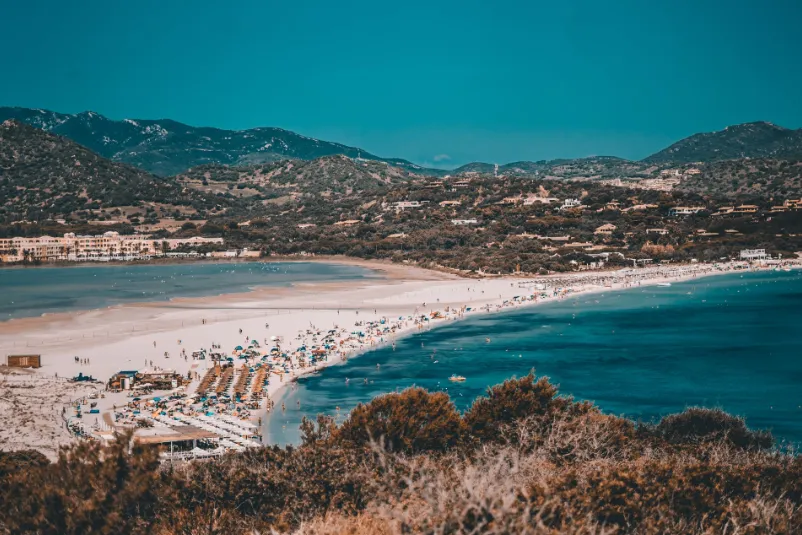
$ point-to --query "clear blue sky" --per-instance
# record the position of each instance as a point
(446, 81)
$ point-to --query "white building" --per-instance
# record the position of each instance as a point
(569, 204)
(753, 254)
(103, 247)
(403, 205)
(460, 222)
(686, 210)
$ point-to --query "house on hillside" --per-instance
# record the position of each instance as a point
(685, 210)
(606, 229)
(570, 204)
(660, 231)
(511, 200)
(404, 205)
(532, 199)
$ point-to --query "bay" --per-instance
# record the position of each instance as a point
(730, 341)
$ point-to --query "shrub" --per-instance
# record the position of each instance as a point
(512, 401)
(573, 470)
(12, 462)
(412, 421)
(90, 489)
(697, 425)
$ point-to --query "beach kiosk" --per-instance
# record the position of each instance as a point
(24, 361)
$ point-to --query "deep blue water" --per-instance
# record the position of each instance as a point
(35, 291)
(731, 341)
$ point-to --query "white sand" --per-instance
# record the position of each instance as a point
(30, 410)
(123, 337)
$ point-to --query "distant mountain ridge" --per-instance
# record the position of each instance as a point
(749, 140)
(166, 147)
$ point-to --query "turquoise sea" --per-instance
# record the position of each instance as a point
(731, 341)
(36, 291)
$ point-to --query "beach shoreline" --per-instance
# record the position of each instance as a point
(156, 334)
(380, 269)
(388, 267)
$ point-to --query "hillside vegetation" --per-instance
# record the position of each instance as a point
(521, 460)
(327, 176)
(43, 175)
(754, 178)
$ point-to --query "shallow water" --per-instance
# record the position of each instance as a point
(728, 341)
(36, 291)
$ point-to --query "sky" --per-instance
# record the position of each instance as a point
(439, 82)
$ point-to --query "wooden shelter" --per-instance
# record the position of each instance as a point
(24, 361)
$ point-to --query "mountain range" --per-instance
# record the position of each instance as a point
(44, 175)
(165, 147)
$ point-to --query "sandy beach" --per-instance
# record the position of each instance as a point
(154, 335)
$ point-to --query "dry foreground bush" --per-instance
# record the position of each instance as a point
(520, 460)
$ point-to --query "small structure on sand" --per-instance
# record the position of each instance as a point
(24, 361)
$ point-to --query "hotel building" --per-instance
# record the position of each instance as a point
(104, 247)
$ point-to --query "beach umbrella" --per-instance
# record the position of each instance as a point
(157, 399)
(238, 348)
